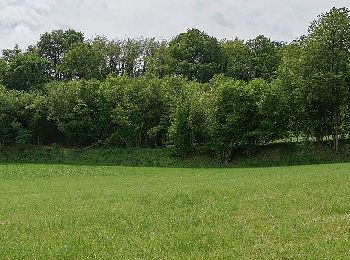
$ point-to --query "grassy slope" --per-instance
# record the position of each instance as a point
(272, 155)
(60, 211)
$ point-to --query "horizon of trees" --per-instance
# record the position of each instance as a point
(191, 92)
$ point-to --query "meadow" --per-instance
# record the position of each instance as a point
(78, 212)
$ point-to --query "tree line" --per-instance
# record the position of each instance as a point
(193, 92)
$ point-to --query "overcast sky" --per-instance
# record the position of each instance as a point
(22, 21)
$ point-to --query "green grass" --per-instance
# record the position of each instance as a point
(110, 212)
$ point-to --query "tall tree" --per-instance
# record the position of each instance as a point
(326, 59)
(159, 63)
(82, 62)
(111, 51)
(9, 54)
(237, 59)
(132, 52)
(291, 82)
(196, 56)
(264, 57)
(53, 46)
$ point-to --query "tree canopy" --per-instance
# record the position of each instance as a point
(191, 93)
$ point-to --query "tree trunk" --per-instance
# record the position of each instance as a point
(336, 131)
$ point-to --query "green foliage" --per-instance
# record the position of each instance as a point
(188, 128)
(290, 80)
(54, 45)
(82, 62)
(119, 112)
(3, 70)
(73, 107)
(325, 68)
(272, 122)
(264, 57)
(24, 118)
(140, 114)
(8, 103)
(160, 62)
(315, 77)
(35, 116)
(9, 54)
(193, 94)
(196, 55)
(132, 50)
(235, 116)
(111, 53)
(26, 71)
(237, 59)
(257, 58)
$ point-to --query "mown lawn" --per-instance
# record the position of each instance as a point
(79, 212)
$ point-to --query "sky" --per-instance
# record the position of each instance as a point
(23, 21)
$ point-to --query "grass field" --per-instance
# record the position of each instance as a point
(104, 212)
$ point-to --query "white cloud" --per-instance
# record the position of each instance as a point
(22, 21)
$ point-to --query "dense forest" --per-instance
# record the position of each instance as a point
(192, 93)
